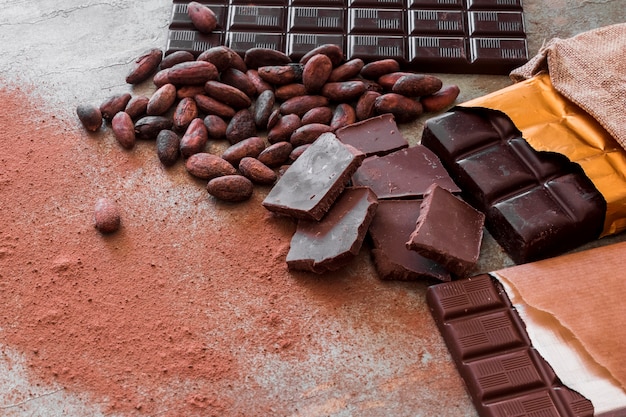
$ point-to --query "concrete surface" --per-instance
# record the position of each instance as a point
(75, 51)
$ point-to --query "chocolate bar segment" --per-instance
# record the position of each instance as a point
(503, 373)
(453, 36)
(537, 204)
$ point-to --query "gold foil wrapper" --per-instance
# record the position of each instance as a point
(550, 122)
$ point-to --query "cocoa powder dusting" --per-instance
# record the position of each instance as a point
(189, 309)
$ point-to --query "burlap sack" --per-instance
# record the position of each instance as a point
(590, 70)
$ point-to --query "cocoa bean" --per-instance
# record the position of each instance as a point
(168, 147)
(387, 81)
(148, 127)
(208, 166)
(316, 72)
(114, 104)
(220, 56)
(194, 139)
(276, 154)
(192, 72)
(334, 52)
(256, 171)
(216, 126)
(440, 100)
(343, 115)
(144, 66)
(285, 92)
(301, 104)
(107, 218)
(161, 100)
(259, 83)
(189, 91)
(123, 129)
(202, 17)
(375, 69)
(344, 91)
(365, 107)
(251, 146)
(346, 71)
(281, 74)
(186, 110)
(284, 128)
(263, 108)
(227, 94)
(231, 188)
(308, 133)
(403, 108)
(417, 85)
(241, 126)
(322, 114)
(176, 58)
(90, 116)
(209, 105)
(137, 106)
(239, 80)
(261, 57)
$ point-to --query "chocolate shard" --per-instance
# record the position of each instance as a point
(377, 135)
(448, 230)
(393, 223)
(424, 35)
(334, 241)
(309, 187)
(403, 174)
(487, 340)
(537, 204)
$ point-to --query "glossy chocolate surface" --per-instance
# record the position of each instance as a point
(453, 36)
(378, 135)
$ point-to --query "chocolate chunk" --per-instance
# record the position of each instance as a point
(378, 135)
(406, 173)
(486, 36)
(493, 354)
(392, 225)
(312, 183)
(537, 204)
(331, 243)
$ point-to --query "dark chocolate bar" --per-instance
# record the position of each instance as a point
(452, 36)
(537, 204)
(487, 340)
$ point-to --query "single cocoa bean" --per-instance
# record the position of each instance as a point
(144, 66)
(176, 57)
(148, 127)
(231, 188)
(284, 128)
(216, 126)
(256, 171)
(114, 104)
(343, 115)
(285, 92)
(137, 106)
(302, 104)
(192, 72)
(90, 116)
(375, 69)
(308, 133)
(440, 100)
(334, 52)
(259, 83)
(194, 139)
(387, 81)
(365, 106)
(281, 74)
(346, 71)
(161, 100)
(209, 105)
(251, 146)
(322, 114)
(168, 147)
(227, 94)
(123, 129)
(276, 154)
(107, 218)
(220, 56)
(202, 17)
(241, 126)
(263, 108)
(239, 80)
(208, 166)
(261, 57)
(344, 91)
(186, 110)
(316, 72)
(404, 109)
(417, 85)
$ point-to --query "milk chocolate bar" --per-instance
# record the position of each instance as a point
(537, 204)
(504, 375)
(452, 36)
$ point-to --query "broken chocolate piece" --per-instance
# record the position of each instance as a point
(312, 183)
(331, 243)
(393, 223)
(448, 230)
(406, 173)
(487, 340)
(378, 135)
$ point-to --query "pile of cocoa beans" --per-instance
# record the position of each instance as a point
(266, 106)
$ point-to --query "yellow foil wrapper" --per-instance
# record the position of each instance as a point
(550, 122)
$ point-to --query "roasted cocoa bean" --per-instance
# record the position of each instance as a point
(285, 92)
(90, 116)
(168, 147)
(231, 188)
(192, 73)
(107, 218)
(241, 126)
(316, 72)
(216, 126)
(322, 114)
(148, 127)
(387, 81)
(114, 104)
(208, 166)
(263, 108)
(404, 109)
(343, 115)
(365, 106)
(123, 129)
(195, 138)
(284, 128)
(161, 100)
(176, 57)
(343, 92)
(440, 100)
(209, 105)
(220, 56)
(227, 94)
(417, 85)
(261, 57)
(202, 17)
(301, 104)
(251, 146)
(239, 80)
(308, 133)
(334, 52)
(259, 83)
(276, 154)
(256, 171)
(280, 74)
(137, 106)
(346, 71)
(375, 69)
(144, 66)
(186, 110)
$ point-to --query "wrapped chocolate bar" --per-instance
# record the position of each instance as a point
(545, 158)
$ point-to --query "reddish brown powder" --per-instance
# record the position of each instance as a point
(189, 308)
